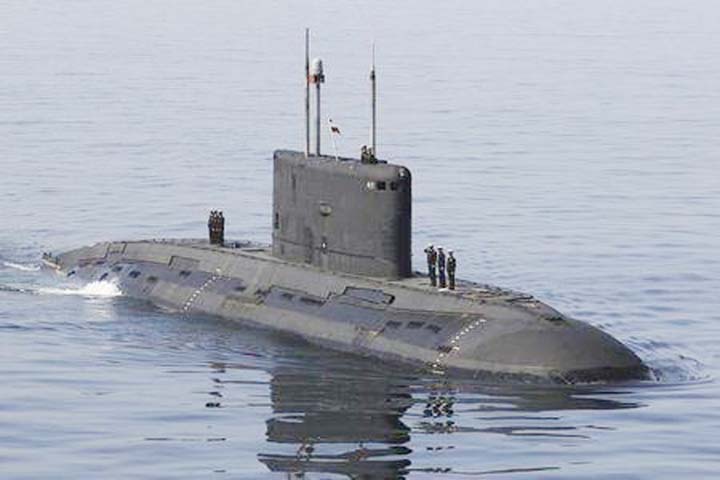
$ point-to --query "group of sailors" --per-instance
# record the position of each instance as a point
(438, 265)
(367, 155)
(216, 227)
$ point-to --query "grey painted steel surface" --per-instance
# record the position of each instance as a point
(478, 330)
(343, 216)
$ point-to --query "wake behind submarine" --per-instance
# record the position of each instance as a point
(338, 274)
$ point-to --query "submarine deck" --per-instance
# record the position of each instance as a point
(406, 319)
(465, 289)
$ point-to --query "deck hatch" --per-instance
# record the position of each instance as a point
(371, 295)
(183, 263)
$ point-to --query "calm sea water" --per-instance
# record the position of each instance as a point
(568, 149)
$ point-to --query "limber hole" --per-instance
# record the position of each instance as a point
(433, 328)
(311, 301)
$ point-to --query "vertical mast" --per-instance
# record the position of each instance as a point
(307, 92)
(373, 118)
(317, 116)
(317, 76)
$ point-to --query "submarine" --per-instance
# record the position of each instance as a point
(338, 274)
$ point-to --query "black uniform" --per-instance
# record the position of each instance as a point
(216, 228)
(451, 265)
(431, 255)
(221, 229)
(211, 227)
(441, 268)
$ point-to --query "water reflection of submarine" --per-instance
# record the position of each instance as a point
(348, 424)
(320, 413)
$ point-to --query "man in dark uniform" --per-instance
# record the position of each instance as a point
(221, 229)
(451, 265)
(441, 267)
(211, 227)
(431, 255)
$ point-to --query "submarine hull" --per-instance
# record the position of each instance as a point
(476, 331)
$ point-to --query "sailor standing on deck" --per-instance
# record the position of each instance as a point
(441, 267)
(221, 229)
(211, 227)
(451, 265)
(431, 255)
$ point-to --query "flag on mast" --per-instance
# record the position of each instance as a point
(334, 130)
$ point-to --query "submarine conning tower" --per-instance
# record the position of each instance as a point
(342, 214)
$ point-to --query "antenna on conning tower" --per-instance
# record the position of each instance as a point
(307, 92)
(317, 76)
(373, 117)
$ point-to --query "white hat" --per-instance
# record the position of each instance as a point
(440, 248)
(430, 245)
(451, 251)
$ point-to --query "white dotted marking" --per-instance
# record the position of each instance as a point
(436, 365)
(189, 302)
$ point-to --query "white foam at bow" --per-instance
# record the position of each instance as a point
(92, 289)
(19, 266)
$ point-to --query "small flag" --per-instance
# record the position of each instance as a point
(334, 129)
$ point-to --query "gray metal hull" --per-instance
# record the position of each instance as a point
(476, 331)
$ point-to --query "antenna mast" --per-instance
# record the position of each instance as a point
(317, 77)
(373, 118)
(307, 92)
